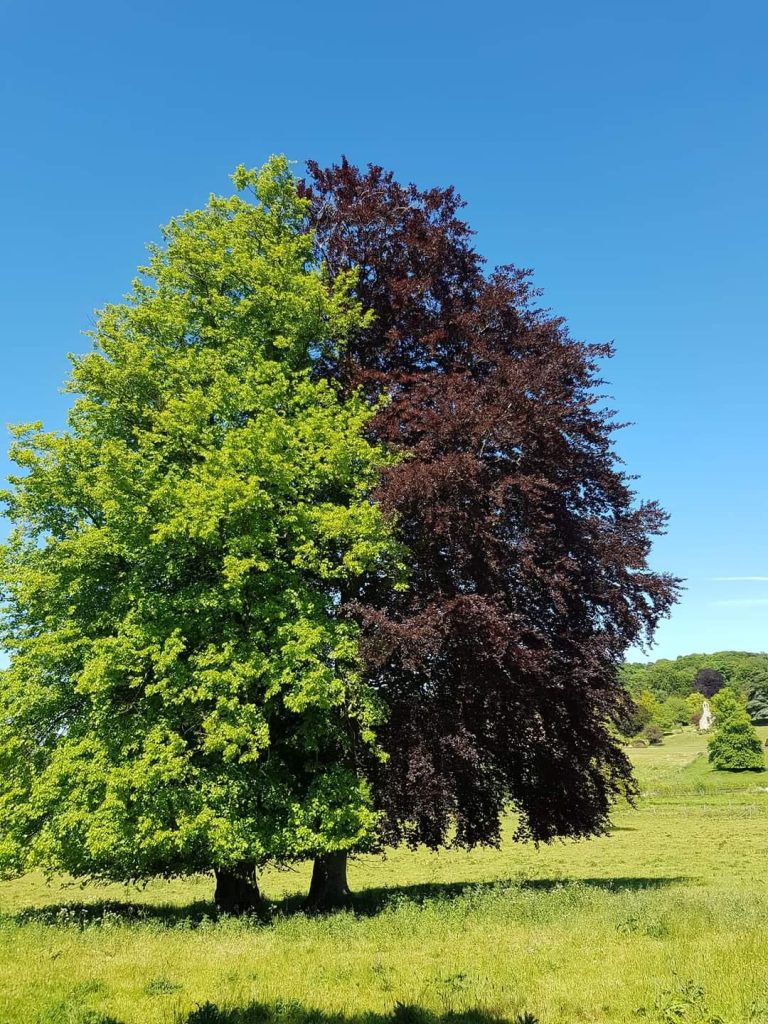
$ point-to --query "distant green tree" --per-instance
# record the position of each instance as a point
(735, 745)
(649, 707)
(183, 694)
(674, 711)
(725, 704)
(667, 678)
(635, 718)
(633, 677)
(639, 713)
(754, 680)
(757, 704)
(739, 668)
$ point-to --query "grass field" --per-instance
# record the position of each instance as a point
(664, 920)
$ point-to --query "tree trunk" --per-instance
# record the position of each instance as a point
(237, 891)
(328, 889)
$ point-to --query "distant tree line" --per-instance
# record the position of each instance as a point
(669, 693)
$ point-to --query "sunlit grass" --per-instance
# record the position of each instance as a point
(663, 920)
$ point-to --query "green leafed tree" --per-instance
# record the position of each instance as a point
(182, 694)
(757, 705)
(673, 712)
(726, 704)
(735, 745)
(755, 681)
(649, 707)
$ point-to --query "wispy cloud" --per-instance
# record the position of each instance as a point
(740, 579)
(742, 602)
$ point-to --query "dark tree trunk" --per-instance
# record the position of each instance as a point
(237, 891)
(328, 889)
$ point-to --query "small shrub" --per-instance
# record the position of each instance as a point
(161, 987)
(643, 743)
(654, 734)
(654, 927)
(685, 1005)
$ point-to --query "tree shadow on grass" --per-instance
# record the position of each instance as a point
(370, 902)
(290, 1012)
(366, 903)
(108, 911)
(619, 884)
(295, 1013)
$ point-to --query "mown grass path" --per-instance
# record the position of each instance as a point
(665, 919)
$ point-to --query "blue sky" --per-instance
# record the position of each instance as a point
(619, 150)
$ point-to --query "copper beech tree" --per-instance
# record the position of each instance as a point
(529, 573)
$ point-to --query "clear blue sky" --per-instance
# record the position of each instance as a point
(618, 149)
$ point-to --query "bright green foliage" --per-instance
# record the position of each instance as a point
(673, 712)
(735, 745)
(694, 702)
(649, 706)
(665, 715)
(725, 705)
(183, 693)
(633, 675)
(644, 709)
(669, 712)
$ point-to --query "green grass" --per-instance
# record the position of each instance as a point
(665, 919)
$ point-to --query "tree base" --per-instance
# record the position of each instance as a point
(237, 891)
(329, 890)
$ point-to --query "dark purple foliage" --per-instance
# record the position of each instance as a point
(708, 681)
(528, 549)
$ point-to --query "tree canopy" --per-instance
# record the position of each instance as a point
(528, 551)
(184, 693)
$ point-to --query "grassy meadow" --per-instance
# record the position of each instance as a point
(664, 920)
